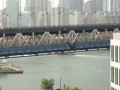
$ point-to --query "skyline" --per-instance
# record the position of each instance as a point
(56, 2)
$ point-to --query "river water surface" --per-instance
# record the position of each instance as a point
(87, 70)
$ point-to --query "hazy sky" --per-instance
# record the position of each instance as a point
(2, 3)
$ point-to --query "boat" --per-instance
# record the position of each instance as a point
(7, 67)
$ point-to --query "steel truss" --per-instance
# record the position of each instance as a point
(20, 40)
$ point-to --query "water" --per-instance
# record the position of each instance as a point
(87, 70)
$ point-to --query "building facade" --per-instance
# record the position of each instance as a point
(115, 5)
(72, 4)
(115, 61)
(97, 5)
(12, 11)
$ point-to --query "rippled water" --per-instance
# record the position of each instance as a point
(87, 70)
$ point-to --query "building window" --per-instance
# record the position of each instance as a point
(112, 74)
(112, 52)
(116, 53)
(116, 76)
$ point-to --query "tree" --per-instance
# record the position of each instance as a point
(76, 88)
(47, 84)
(68, 88)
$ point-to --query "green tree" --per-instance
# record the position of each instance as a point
(47, 84)
(76, 88)
(68, 88)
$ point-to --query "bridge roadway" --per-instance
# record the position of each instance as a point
(34, 40)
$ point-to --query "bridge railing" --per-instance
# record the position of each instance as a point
(54, 48)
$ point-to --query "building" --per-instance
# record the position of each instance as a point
(43, 19)
(76, 18)
(25, 19)
(97, 5)
(88, 7)
(115, 61)
(12, 11)
(55, 17)
(36, 6)
(106, 5)
(0, 19)
(115, 5)
(4, 16)
(78, 5)
(72, 4)
(59, 16)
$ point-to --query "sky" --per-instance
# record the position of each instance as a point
(2, 3)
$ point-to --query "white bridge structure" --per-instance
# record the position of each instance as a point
(19, 41)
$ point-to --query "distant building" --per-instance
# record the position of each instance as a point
(97, 5)
(65, 4)
(72, 4)
(36, 6)
(25, 19)
(4, 16)
(88, 7)
(115, 61)
(76, 18)
(0, 19)
(43, 19)
(78, 5)
(60, 16)
(55, 17)
(115, 5)
(106, 5)
(12, 11)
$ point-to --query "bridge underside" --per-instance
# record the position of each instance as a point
(35, 43)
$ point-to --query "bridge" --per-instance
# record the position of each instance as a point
(34, 40)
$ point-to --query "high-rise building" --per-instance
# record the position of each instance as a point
(72, 4)
(76, 18)
(88, 7)
(115, 61)
(106, 5)
(97, 5)
(78, 5)
(25, 19)
(59, 18)
(115, 5)
(55, 16)
(36, 6)
(0, 19)
(4, 17)
(12, 11)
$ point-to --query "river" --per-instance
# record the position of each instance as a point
(87, 70)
